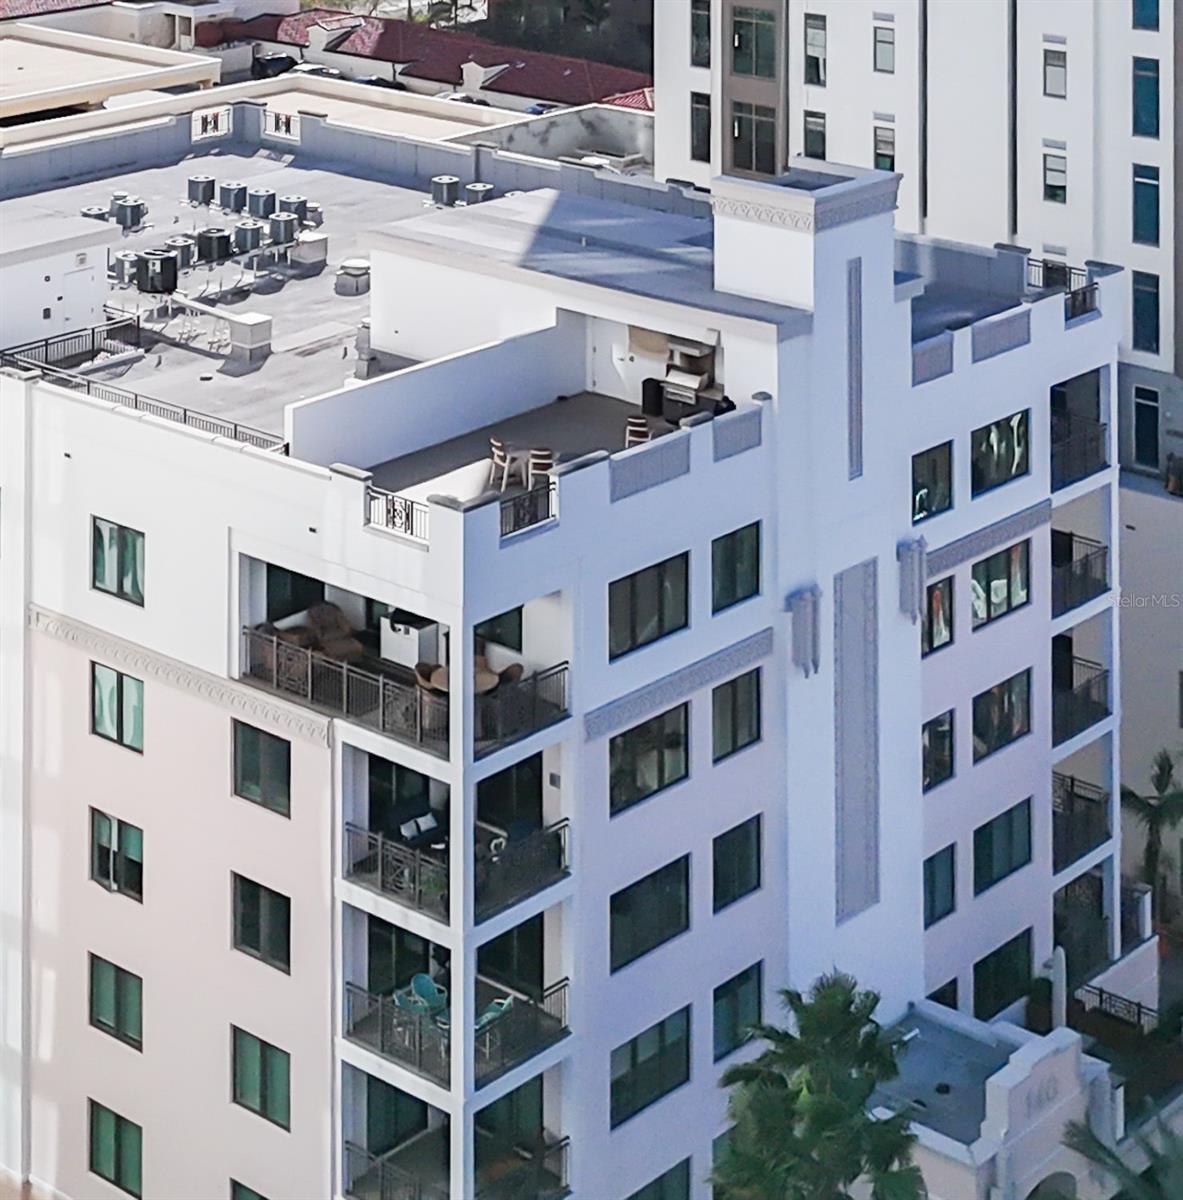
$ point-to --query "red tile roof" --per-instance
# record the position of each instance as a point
(438, 54)
(642, 98)
(14, 10)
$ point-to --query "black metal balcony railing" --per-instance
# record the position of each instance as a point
(524, 1172)
(1084, 936)
(409, 876)
(510, 869)
(1120, 1008)
(1083, 579)
(529, 508)
(1079, 448)
(79, 346)
(401, 710)
(1080, 819)
(413, 1039)
(525, 1028)
(1080, 301)
(1053, 274)
(516, 710)
(399, 514)
(1073, 711)
(369, 1177)
(57, 357)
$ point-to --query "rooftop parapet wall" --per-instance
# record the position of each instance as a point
(1045, 322)
(103, 143)
(423, 405)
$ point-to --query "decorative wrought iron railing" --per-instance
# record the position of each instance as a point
(386, 866)
(391, 706)
(398, 514)
(529, 508)
(415, 1039)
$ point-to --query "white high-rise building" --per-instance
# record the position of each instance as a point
(1051, 124)
(458, 662)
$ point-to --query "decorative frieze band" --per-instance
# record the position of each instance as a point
(664, 693)
(982, 541)
(238, 699)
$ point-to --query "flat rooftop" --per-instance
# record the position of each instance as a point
(942, 1079)
(459, 467)
(948, 305)
(313, 328)
(643, 251)
(42, 69)
(388, 111)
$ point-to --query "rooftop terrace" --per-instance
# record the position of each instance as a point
(570, 428)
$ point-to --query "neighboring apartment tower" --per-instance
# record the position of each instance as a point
(423, 799)
(1052, 124)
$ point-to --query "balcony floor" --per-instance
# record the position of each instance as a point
(460, 467)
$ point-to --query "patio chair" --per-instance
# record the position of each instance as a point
(506, 461)
(433, 994)
(636, 432)
(538, 469)
(493, 1010)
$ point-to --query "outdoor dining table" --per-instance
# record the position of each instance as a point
(483, 680)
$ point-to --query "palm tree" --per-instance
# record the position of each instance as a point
(1155, 814)
(802, 1130)
(1163, 1179)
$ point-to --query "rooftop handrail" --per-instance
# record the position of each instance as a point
(156, 408)
(399, 514)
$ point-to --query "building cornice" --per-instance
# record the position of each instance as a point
(239, 699)
(804, 211)
(672, 689)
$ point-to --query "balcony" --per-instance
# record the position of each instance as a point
(511, 866)
(417, 878)
(1137, 921)
(511, 1027)
(522, 1172)
(514, 710)
(377, 694)
(1080, 578)
(1080, 294)
(1080, 819)
(1079, 448)
(1085, 703)
(412, 1038)
(416, 1170)
(1084, 936)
